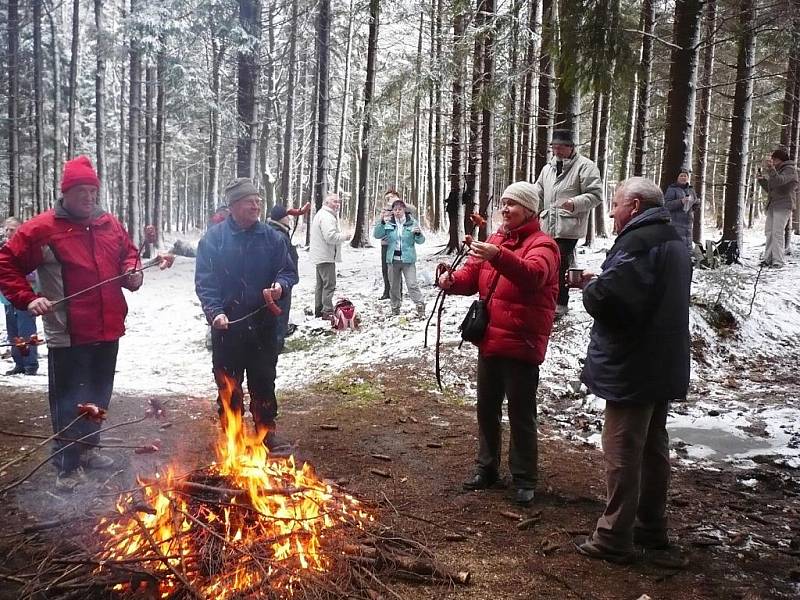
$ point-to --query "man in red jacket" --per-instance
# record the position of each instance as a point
(516, 274)
(72, 247)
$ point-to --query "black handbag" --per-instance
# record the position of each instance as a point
(474, 325)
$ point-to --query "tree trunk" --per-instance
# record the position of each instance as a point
(149, 102)
(100, 99)
(361, 233)
(38, 65)
(396, 179)
(683, 80)
(474, 120)
(416, 170)
(247, 88)
(523, 166)
(345, 100)
(135, 109)
(288, 131)
(487, 118)
(215, 121)
(648, 20)
(544, 119)
(740, 130)
(704, 117)
(55, 52)
(604, 136)
(73, 77)
(437, 178)
(453, 203)
(121, 158)
(12, 60)
(161, 118)
(323, 101)
(511, 156)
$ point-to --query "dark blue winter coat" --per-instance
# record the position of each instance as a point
(639, 346)
(235, 264)
(682, 219)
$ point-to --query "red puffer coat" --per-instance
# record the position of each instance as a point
(70, 256)
(522, 307)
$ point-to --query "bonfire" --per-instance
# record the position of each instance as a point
(250, 525)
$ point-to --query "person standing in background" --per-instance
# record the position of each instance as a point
(20, 323)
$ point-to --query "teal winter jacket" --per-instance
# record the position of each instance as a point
(388, 231)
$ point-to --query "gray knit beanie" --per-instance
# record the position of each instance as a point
(238, 189)
(524, 194)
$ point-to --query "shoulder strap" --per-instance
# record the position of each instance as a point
(491, 287)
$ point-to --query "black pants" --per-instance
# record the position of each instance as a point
(566, 249)
(385, 272)
(516, 380)
(79, 375)
(247, 348)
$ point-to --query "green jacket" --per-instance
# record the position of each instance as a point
(389, 232)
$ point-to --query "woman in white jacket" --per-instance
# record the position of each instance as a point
(325, 251)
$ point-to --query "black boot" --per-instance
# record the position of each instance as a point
(480, 480)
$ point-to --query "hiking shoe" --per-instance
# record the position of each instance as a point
(480, 480)
(67, 481)
(395, 312)
(524, 496)
(93, 459)
(561, 310)
(275, 443)
(585, 546)
(15, 371)
(651, 541)
(31, 370)
(384, 297)
(421, 311)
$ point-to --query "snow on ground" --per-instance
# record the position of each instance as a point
(164, 349)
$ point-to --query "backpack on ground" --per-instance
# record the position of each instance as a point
(344, 315)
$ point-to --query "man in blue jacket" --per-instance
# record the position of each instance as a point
(637, 361)
(240, 262)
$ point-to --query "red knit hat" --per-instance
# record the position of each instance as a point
(78, 171)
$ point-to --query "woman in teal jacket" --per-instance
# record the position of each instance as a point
(402, 234)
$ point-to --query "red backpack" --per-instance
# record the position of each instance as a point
(344, 315)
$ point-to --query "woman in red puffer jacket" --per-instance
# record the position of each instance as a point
(517, 267)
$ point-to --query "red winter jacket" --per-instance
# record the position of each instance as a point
(522, 307)
(69, 256)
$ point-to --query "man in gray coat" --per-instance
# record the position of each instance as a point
(569, 187)
(778, 177)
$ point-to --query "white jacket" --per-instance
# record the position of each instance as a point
(326, 238)
(579, 180)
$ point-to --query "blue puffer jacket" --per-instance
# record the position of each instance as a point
(639, 346)
(389, 231)
(235, 264)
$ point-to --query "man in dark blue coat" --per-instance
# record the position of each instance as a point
(637, 361)
(240, 262)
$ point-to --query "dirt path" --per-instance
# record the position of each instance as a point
(740, 544)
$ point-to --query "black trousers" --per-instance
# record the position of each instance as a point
(79, 375)
(248, 349)
(566, 249)
(385, 272)
(517, 381)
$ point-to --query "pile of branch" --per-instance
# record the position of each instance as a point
(70, 561)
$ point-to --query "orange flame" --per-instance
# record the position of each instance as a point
(214, 545)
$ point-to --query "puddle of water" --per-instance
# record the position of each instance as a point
(718, 441)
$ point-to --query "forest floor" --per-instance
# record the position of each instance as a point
(742, 539)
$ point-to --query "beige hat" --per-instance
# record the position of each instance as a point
(524, 194)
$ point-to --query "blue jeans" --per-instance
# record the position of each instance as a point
(21, 323)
